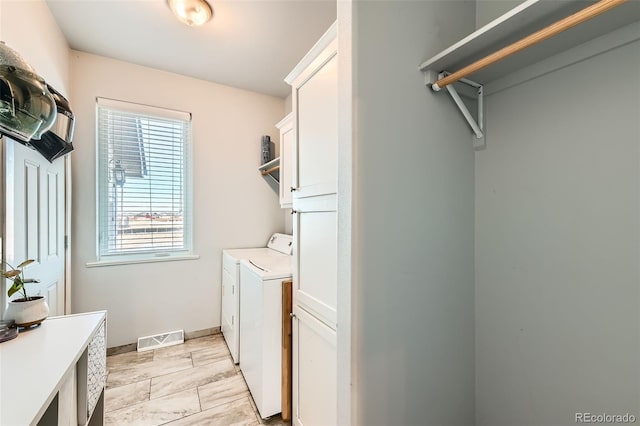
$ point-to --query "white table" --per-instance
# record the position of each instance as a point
(39, 367)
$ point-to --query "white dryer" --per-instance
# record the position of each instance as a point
(261, 329)
(279, 246)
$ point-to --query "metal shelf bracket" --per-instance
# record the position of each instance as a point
(267, 169)
(476, 126)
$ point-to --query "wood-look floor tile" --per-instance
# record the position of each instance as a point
(192, 345)
(236, 413)
(156, 411)
(128, 360)
(214, 353)
(191, 378)
(223, 391)
(149, 370)
(124, 396)
(164, 374)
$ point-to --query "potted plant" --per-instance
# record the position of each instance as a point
(26, 311)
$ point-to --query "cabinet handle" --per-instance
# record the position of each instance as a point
(292, 315)
(294, 211)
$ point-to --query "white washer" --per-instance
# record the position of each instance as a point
(261, 329)
(279, 246)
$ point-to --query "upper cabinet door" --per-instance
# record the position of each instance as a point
(315, 105)
(287, 140)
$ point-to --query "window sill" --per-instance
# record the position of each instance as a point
(136, 261)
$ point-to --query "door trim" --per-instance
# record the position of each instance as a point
(67, 235)
(2, 221)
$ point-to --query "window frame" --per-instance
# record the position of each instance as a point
(151, 255)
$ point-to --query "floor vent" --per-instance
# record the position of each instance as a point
(171, 338)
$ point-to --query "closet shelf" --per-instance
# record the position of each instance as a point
(523, 20)
(267, 169)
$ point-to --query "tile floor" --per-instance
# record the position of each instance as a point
(195, 383)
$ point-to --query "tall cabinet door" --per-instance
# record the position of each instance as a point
(315, 362)
(315, 230)
(315, 103)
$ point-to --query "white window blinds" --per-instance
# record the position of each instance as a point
(143, 178)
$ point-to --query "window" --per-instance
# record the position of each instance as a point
(143, 181)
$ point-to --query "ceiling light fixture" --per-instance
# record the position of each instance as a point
(191, 12)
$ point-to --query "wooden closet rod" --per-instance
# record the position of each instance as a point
(541, 35)
(271, 170)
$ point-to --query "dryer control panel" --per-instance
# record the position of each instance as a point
(282, 243)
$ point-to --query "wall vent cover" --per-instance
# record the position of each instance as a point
(162, 340)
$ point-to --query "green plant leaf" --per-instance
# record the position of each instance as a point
(25, 263)
(16, 287)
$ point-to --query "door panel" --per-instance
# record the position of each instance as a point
(317, 279)
(31, 192)
(35, 220)
(316, 255)
(316, 103)
(287, 139)
(53, 188)
(315, 371)
(52, 295)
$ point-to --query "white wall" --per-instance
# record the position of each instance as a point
(413, 187)
(557, 243)
(234, 206)
(288, 103)
(29, 28)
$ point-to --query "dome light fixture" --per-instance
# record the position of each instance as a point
(191, 12)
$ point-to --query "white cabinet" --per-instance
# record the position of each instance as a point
(91, 371)
(55, 374)
(314, 84)
(316, 257)
(287, 140)
(315, 373)
(315, 104)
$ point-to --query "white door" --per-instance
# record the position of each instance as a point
(35, 205)
(315, 371)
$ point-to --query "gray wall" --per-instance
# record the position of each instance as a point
(557, 246)
(412, 221)
(488, 10)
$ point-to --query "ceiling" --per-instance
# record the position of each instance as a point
(250, 44)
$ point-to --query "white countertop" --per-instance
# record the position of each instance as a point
(33, 365)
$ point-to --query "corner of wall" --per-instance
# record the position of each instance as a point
(288, 104)
(41, 42)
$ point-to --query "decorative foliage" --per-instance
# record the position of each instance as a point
(16, 275)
